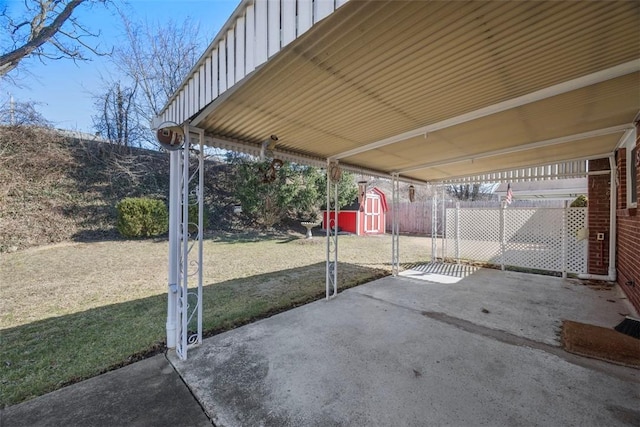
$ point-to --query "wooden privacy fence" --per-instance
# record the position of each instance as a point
(417, 217)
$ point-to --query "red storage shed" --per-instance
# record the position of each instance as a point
(370, 218)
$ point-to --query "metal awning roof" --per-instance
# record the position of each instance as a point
(435, 91)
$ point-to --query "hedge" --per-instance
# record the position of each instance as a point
(142, 217)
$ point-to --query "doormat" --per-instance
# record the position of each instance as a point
(600, 343)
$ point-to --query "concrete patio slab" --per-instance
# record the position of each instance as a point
(529, 305)
(146, 393)
(404, 352)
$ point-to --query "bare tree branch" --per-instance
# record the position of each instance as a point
(118, 120)
(16, 113)
(45, 24)
(152, 64)
(158, 57)
(470, 192)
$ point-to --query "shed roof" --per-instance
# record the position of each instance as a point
(355, 204)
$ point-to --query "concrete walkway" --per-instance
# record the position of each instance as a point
(146, 393)
(480, 349)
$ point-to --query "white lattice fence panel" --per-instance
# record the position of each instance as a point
(576, 242)
(450, 233)
(479, 232)
(533, 238)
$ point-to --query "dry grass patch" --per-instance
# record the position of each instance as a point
(69, 312)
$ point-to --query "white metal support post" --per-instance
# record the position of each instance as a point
(434, 226)
(443, 225)
(186, 311)
(200, 196)
(174, 246)
(565, 238)
(457, 241)
(503, 238)
(395, 224)
(331, 280)
(181, 348)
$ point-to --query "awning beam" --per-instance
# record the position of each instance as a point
(513, 176)
(525, 147)
(254, 150)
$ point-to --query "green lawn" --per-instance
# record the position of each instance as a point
(70, 312)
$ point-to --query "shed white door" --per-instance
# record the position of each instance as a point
(372, 214)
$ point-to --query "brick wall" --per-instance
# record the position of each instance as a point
(598, 217)
(628, 234)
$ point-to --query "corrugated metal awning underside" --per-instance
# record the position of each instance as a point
(375, 70)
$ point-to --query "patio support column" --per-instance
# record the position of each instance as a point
(565, 238)
(174, 246)
(191, 188)
(200, 195)
(434, 226)
(503, 207)
(395, 224)
(444, 216)
(331, 270)
(181, 347)
(457, 228)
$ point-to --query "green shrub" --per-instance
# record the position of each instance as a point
(142, 217)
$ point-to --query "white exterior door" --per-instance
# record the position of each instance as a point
(372, 214)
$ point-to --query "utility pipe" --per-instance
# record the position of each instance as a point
(611, 276)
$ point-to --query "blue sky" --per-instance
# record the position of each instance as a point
(62, 90)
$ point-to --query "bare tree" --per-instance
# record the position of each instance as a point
(17, 113)
(46, 29)
(152, 64)
(470, 192)
(157, 57)
(118, 120)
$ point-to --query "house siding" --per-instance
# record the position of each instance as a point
(628, 234)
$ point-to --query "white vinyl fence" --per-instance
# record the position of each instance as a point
(428, 217)
(549, 239)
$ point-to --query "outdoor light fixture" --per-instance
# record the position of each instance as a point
(170, 136)
(412, 193)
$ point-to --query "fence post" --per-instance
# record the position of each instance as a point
(457, 242)
(395, 225)
(502, 234)
(434, 227)
(565, 238)
(444, 224)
